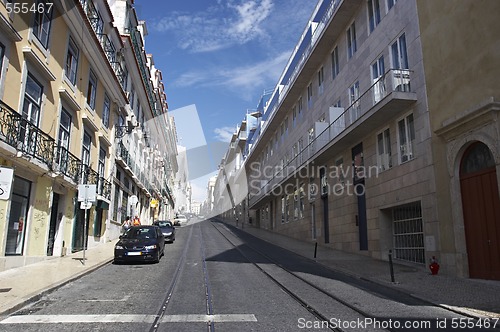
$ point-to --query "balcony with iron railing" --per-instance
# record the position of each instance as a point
(389, 96)
(107, 46)
(29, 140)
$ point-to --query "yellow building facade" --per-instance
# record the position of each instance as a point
(65, 108)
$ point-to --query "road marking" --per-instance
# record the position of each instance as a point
(53, 319)
(37, 319)
(209, 318)
(124, 299)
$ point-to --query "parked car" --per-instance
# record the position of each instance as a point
(180, 219)
(167, 228)
(140, 243)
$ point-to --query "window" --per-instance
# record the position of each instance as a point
(373, 13)
(41, 25)
(32, 103)
(87, 142)
(102, 162)
(378, 71)
(71, 66)
(401, 75)
(335, 62)
(340, 175)
(311, 140)
(294, 116)
(283, 207)
(354, 95)
(106, 111)
(101, 167)
(302, 196)
(321, 78)
(406, 130)
(91, 90)
(301, 155)
(399, 55)
(391, 3)
(63, 141)
(2, 52)
(296, 203)
(384, 160)
(131, 99)
(309, 95)
(351, 41)
(408, 233)
(300, 107)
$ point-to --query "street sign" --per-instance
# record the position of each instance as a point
(85, 206)
(6, 177)
(133, 199)
(87, 192)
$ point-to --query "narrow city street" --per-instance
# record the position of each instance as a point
(215, 277)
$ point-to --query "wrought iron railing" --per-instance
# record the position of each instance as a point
(24, 136)
(29, 140)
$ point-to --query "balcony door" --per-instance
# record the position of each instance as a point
(31, 115)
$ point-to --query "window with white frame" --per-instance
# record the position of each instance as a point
(71, 66)
(378, 70)
(102, 162)
(339, 174)
(301, 152)
(92, 90)
(294, 116)
(351, 41)
(354, 95)
(42, 22)
(373, 13)
(106, 110)
(384, 155)
(87, 142)
(321, 78)
(335, 62)
(401, 74)
(309, 95)
(300, 108)
(63, 141)
(302, 197)
(406, 137)
(32, 104)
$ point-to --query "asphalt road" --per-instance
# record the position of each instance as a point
(213, 279)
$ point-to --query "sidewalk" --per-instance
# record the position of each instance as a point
(22, 285)
(473, 297)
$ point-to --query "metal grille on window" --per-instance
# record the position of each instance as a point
(408, 233)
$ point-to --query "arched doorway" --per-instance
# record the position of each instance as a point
(481, 209)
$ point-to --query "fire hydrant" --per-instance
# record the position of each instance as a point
(434, 266)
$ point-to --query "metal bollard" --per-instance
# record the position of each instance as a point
(315, 249)
(391, 266)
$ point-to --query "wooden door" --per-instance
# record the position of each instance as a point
(481, 209)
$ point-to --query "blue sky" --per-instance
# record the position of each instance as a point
(220, 55)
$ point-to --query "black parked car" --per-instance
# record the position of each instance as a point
(140, 243)
(167, 228)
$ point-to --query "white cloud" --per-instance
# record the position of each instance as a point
(217, 27)
(224, 134)
(245, 79)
